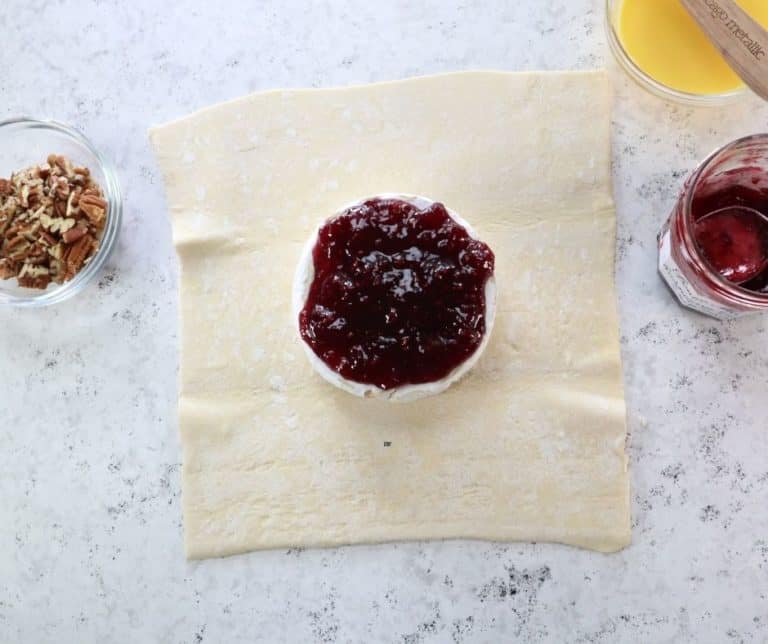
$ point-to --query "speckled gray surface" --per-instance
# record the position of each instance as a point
(90, 525)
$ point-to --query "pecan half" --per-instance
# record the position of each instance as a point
(73, 234)
(95, 208)
(78, 252)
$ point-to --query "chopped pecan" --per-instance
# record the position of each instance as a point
(8, 268)
(44, 170)
(15, 228)
(57, 268)
(16, 248)
(24, 195)
(32, 270)
(73, 234)
(72, 204)
(60, 208)
(61, 188)
(57, 224)
(78, 252)
(47, 239)
(29, 281)
(51, 217)
(9, 206)
(95, 208)
(30, 231)
(57, 251)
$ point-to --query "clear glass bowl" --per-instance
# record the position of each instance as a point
(612, 13)
(25, 142)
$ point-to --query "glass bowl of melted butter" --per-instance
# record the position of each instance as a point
(661, 47)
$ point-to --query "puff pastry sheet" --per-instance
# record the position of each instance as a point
(530, 446)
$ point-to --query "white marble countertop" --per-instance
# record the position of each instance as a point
(90, 519)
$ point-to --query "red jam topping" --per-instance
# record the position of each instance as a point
(731, 228)
(735, 241)
(398, 295)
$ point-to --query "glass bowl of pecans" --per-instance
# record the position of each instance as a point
(60, 212)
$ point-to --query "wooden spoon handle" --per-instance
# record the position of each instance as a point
(739, 38)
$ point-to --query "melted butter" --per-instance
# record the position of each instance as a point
(666, 43)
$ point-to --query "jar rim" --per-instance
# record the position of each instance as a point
(691, 246)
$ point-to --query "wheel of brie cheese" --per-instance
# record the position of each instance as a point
(394, 297)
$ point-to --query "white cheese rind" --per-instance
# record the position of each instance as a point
(305, 272)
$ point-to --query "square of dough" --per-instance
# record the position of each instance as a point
(530, 446)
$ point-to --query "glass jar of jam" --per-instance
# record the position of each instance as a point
(713, 249)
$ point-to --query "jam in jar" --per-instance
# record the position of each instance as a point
(713, 249)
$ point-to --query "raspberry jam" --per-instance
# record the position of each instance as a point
(731, 225)
(398, 294)
(713, 249)
(734, 241)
